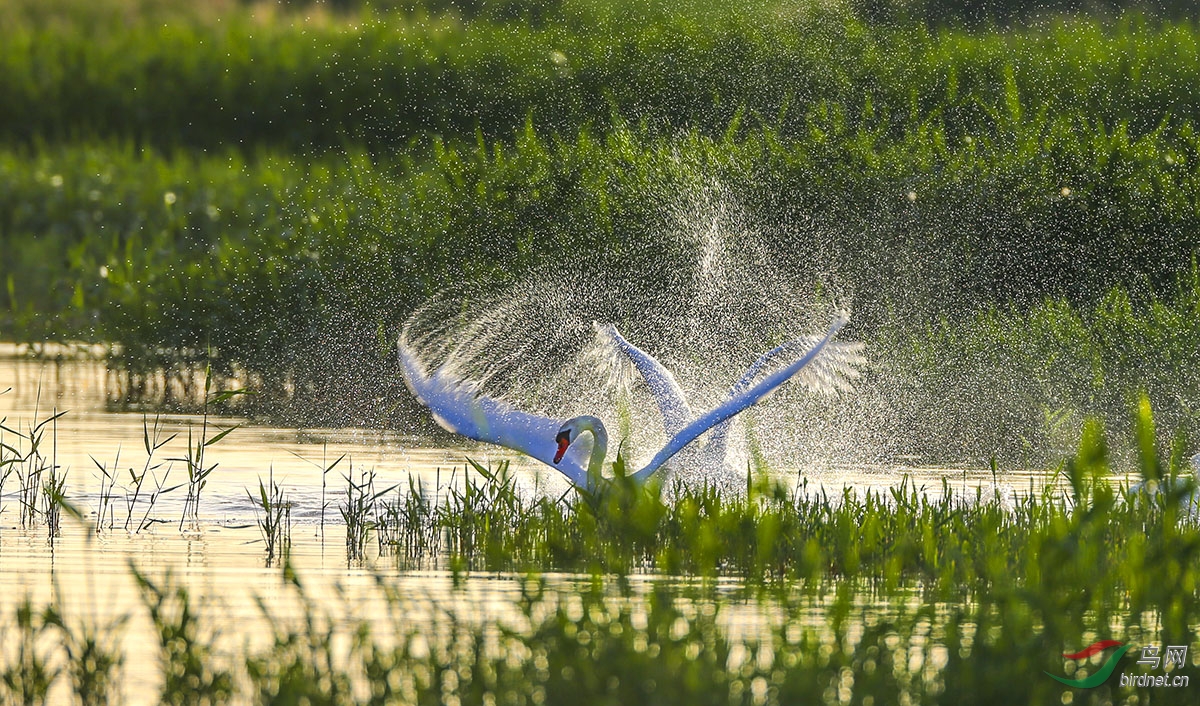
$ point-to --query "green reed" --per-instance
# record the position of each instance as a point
(408, 523)
(191, 676)
(93, 657)
(952, 541)
(194, 459)
(360, 510)
(29, 674)
(381, 78)
(611, 643)
(142, 489)
(275, 523)
(31, 455)
(883, 599)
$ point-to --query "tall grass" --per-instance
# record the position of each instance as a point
(899, 598)
(191, 675)
(275, 523)
(952, 542)
(1029, 376)
(298, 282)
(379, 80)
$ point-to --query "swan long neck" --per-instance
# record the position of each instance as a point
(599, 442)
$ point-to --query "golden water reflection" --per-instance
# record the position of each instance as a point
(222, 563)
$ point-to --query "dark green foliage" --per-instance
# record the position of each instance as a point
(955, 543)
(379, 80)
(298, 274)
(1030, 376)
(301, 666)
(93, 658)
(355, 164)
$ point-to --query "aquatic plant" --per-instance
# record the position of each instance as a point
(28, 676)
(94, 658)
(275, 523)
(108, 481)
(360, 510)
(407, 525)
(194, 459)
(302, 664)
(987, 210)
(191, 674)
(40, 480)
(902, 597)
(954, 541)
(152, 442)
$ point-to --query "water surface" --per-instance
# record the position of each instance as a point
(221, 561)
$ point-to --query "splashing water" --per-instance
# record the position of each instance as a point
(704, 298)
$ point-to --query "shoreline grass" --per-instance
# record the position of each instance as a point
(307, 268)
(1001, 589)
(954, 543)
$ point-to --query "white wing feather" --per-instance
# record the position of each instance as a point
(457, 407)
(830, 372)
(458, 410)
(662, 384)
(739, 401)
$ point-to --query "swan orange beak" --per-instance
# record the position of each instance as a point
(564, 440)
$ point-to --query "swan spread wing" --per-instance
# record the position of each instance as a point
(662, 384)
(459, 410)
(752, 394)
(826, 366)
(831, 371)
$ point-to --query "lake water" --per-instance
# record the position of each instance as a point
(221, 561)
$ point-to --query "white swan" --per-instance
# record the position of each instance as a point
(564, 445)
(831, 371)
(1189, 504)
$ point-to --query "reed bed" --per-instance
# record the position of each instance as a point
(912, 596)
(1066, 572)
(952, 543)
(378, 79)
(269, 272)
(279, 223)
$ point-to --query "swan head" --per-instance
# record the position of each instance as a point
(569, 432)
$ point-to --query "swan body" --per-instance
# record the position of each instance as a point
(576, 447)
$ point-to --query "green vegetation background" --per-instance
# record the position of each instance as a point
(1007, 190)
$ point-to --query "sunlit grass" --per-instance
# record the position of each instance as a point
(1007, 583)
(378, 78)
